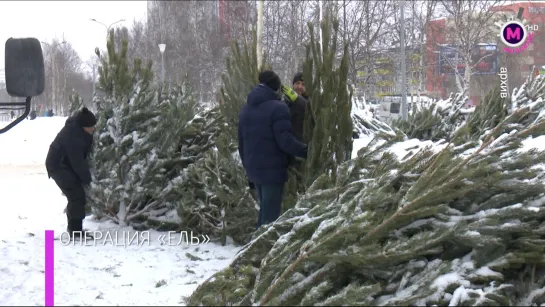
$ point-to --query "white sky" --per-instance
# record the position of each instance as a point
(46, 20)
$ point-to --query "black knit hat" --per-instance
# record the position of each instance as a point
(298, 77)
(86, 118)
(270, 79)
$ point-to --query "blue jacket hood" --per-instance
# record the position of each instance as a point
(261, 94)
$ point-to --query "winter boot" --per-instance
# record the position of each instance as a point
(75, 230)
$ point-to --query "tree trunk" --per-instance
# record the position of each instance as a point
(259, 33)
(54, 102)
(467, 74)
(320, 17)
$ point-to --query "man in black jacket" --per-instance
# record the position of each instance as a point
(297, 100)
(66, 164)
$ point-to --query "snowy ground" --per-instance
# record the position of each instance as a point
(104, 274)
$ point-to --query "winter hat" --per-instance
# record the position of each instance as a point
(298, 77)
(270, 79)
(86, 118)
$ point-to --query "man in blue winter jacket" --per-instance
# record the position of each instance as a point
(265, 141)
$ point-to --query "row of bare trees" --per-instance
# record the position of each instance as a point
(65, 74)
(196, 39)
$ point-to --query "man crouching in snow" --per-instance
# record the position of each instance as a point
(66, 164)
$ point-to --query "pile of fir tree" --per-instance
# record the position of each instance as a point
(212, 189)
(462, 226)
(213, 196)
(136, 156)
(434, 121)
(365, 124)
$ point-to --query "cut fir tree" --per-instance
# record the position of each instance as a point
(328, 125)
(135, 156)
(241, 76)
(76, 103)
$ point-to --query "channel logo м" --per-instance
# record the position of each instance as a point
(517, 36)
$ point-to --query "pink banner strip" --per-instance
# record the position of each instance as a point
(49, 268)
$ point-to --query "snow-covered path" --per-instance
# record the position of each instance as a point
(103, 274)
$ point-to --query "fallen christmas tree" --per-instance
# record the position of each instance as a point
(462, 225)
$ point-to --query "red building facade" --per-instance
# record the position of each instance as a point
(534, 13)
(232, 15)
(436, 34)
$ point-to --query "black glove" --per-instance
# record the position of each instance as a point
(251, 185)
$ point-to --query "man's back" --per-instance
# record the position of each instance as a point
(265, 137)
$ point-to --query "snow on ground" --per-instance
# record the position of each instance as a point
(142, 274)
(29, 141)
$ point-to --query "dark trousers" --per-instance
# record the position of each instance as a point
(75, 194)
(270, 202)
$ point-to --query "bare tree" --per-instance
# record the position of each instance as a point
(67, 71)
(470, 22)
(422, 12)
(284, 35)
(194, 43)
(259, 32)
(197, 46)
(366, 25)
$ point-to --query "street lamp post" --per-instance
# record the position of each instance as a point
(162, 49)
(53, 69)
(105, 26)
